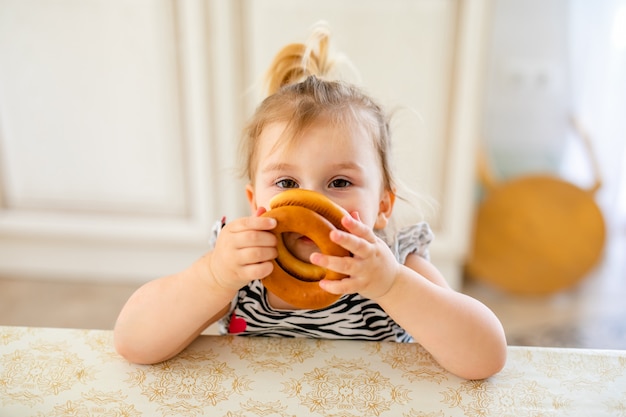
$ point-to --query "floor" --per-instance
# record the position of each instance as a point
(592, 315)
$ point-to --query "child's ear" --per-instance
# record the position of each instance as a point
(251, 199)
(385, 208)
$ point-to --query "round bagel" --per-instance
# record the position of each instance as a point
(312, 215)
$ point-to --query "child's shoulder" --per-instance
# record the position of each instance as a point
(415, 238)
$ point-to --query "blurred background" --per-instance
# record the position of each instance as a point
(119, 124)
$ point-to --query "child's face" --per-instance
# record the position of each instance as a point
(339, 163)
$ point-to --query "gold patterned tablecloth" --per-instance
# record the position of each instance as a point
(66, 372)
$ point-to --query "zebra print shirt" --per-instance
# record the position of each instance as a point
(352, 317)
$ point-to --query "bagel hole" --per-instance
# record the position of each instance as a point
(297, 264)
(290, 248)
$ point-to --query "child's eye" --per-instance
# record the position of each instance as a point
(340, 183)
(286, 183)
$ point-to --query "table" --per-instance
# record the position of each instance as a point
(69, 372)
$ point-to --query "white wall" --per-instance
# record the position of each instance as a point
(528, 85)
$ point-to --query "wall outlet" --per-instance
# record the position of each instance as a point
(531, 76)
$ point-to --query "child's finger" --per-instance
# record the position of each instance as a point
(256, 271)
(252, 223)
(339, 264)
(358, 246)
(358, 228)
(341, 286)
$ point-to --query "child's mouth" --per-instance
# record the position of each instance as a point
(301, 246)
(306, 240)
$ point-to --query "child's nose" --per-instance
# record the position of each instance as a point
(317, 189)
(321, 190)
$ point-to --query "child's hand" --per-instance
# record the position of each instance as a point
(243, 251)
(372, 268)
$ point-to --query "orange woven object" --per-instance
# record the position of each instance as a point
(536, 234)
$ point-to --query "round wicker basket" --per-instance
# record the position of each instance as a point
(536, 234)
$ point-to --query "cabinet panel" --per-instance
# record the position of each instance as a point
(105, 148)
(91, 107)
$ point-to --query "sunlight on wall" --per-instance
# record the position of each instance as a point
(622, 197)
(618, 39)
(618, 34)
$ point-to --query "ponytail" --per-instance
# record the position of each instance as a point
(297, 61)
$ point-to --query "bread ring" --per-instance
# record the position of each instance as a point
(313, 215)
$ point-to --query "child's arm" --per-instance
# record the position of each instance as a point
(461, 333)
(164, 316)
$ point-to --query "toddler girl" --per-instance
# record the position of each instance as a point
(329, 137)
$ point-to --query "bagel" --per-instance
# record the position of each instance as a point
(312, 215)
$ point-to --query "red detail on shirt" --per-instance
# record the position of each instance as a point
(237, 324)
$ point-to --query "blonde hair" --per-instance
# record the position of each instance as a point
(300, 94)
